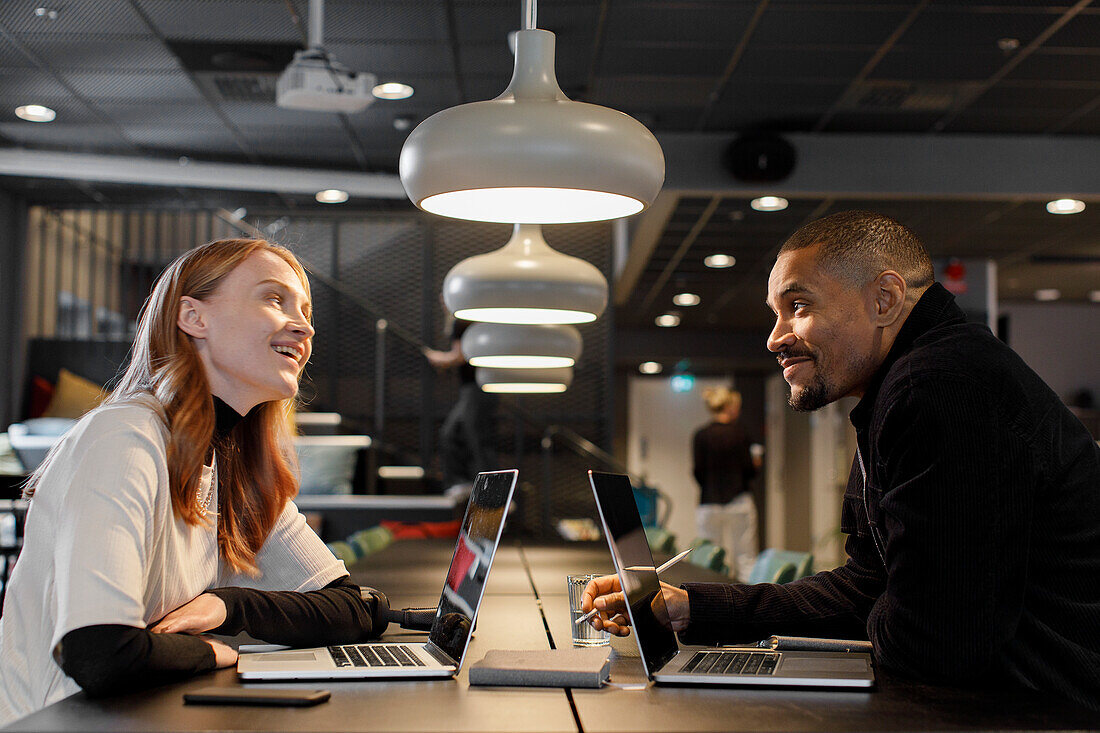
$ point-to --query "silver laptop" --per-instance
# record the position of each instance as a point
(455, 615)
(662, 657)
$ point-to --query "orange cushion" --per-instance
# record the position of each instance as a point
(73, 395)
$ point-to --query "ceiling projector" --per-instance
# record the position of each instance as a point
(316, 81)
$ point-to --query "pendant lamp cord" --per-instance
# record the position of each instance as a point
(316, 23)
(530, 14)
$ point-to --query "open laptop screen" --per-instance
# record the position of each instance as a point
(477, 541)
(630, 550)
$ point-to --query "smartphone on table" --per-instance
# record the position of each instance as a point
(282, 697)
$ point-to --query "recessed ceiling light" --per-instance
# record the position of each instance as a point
(1094, 296)
(720, 261)
(1065, 206)
(331, 196)
(35, 113)
(667, 320)
(392, 90)
(650, 367)
(47, 13)
(1048, 294)
(769, 203)
(686, 299)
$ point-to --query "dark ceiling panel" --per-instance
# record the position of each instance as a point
(860, 24)
(1082, 31)
(919, 64)
(394, 58)
(795, 63)
(1069, 66)
(492, 21)
(260, 115)
(485, 58)
(1087, 124)
(12, 58)
(654, 92)
(901, 121)
(159, 113)
(17, 85)
(705, 23)
(662, 59)
(976, 28)
(396, 20)
(221, 20)
(793, 96)
(133, 86)
(115, 18)
(1007, 122)
(190, 140)
(1043, 97)
(102, 53)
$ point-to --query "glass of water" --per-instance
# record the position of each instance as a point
(583, 633)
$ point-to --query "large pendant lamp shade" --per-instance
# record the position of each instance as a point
(524, 381)
(521, 347)
(532, 154)
(525, 282)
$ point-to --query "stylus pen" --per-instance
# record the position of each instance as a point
(661, 569)
(810, 644)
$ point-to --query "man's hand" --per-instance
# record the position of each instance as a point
(605, 594)
(224, 655)
(203, 613)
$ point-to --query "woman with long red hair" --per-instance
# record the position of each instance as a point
(165, 513)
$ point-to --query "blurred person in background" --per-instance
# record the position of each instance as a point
(467, 440)
(723, 464)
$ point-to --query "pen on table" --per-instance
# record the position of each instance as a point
(810, 644)
(664, 566)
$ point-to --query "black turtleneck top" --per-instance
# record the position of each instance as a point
(107, 659)
(973, 525)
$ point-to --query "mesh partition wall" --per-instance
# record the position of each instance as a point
(90, 270)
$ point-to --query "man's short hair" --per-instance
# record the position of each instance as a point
(858, 245)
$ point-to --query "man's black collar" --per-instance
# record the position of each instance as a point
(936, 306)
(225, 418)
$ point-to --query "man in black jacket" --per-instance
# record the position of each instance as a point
(973, 504)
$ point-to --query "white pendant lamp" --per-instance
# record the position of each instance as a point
(525, 282)
(509, 346)
(532, 154)
(524, 381)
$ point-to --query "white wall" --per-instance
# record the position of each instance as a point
(660, 425)
(1060, 341)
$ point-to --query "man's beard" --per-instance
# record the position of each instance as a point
(821, 391)
(813, 396)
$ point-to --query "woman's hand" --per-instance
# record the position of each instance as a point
(606, 594)
(224, 655)
(203, 613)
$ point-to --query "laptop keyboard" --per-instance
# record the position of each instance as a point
(374, 655)
(721, 662)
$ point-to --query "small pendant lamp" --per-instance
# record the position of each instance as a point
(532, 154)
(525, 282)
(524, 381)
(521, 347)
